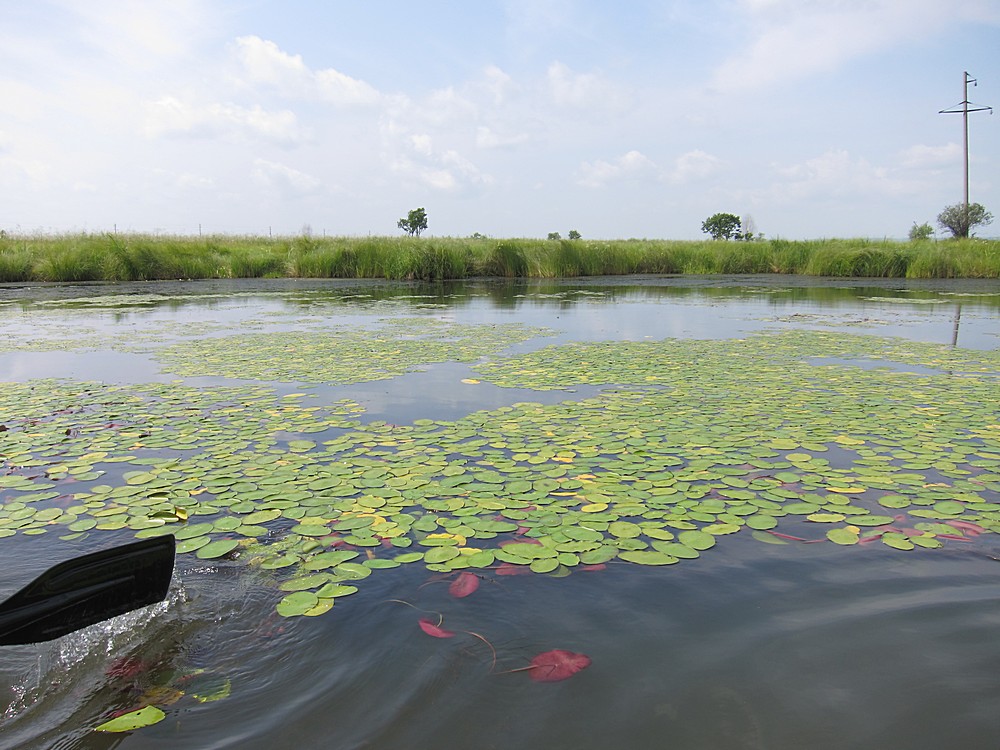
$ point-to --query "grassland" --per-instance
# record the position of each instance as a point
(136, 257)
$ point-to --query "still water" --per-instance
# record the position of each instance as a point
(800, 645)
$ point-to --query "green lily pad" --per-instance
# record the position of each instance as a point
(696, 540)
(133, 720)
(218, 548)
(190, 545)
(842, 535)
(647, 557)
(297, 603)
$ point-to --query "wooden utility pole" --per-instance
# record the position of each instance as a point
(964, 108)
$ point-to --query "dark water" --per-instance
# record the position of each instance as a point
(752, 646)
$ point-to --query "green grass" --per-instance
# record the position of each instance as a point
(135, 257)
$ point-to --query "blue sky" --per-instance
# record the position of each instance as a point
(817, 118)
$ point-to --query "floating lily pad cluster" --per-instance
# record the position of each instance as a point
(693, 441)
(344, 354)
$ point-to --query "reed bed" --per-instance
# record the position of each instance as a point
(137, 257)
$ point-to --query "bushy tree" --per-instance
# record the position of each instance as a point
(414, 223)
(554, 236)
(960, 220)
(573, 234)
(722, 226)
(922, 232)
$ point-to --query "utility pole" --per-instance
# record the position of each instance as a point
(964, 108)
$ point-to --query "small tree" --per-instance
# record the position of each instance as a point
(922, 232)
(573, 234)
(554, 236)
(722, 226)
(414, 223)
(960, 220)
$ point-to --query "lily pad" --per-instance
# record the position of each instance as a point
(133, 720)
(297, 603)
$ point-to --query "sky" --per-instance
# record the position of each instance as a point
(510, 118)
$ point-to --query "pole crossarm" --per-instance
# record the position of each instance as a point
(963, 107)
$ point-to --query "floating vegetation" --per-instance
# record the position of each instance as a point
(345, 354)
(694, 441)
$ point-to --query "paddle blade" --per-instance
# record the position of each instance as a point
(88, 589)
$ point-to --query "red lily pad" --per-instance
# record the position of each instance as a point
(465, 584)
(556, 665)
(435, 631)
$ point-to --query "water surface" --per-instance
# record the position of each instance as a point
(751, 646)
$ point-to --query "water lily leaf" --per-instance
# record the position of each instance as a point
(842, 535)
(142, 717)
(440, 554)
(409, 557)
(261, 516)
(483, 558)
(218, 548)
(302, 583)
(329, 559)
(282, 561)
(297, 603)
(675, 549)
(897, 541)
(624, 529)
(322, 607)
(761, 522)
(893, 501)
(719, 529)
(197, 529)
(332, 590)
(190, 545)
(871, 520)
(696, 540)
(352, 571)
(464, 585)
(647, 557)
(556, 665)
(544, 565)
(763, 536)
(310, 530)
(433, 629)
(825, 517)
(206, 687)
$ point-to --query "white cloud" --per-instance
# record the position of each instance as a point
(264, 63)
(446, 106)
(694, 165)
(634, 165)
(487, 138)
(931, 157)
(422, 144)
(413, 157)
(792, 39)
(590, 90)
(140, 33)
(189, 181)
(498, 84)
(22, 173)
(284, 179)
(836, 174)
(631, 165)
(170, 116)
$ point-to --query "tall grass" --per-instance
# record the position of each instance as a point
(113, 257)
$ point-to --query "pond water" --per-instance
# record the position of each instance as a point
(759, 512)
